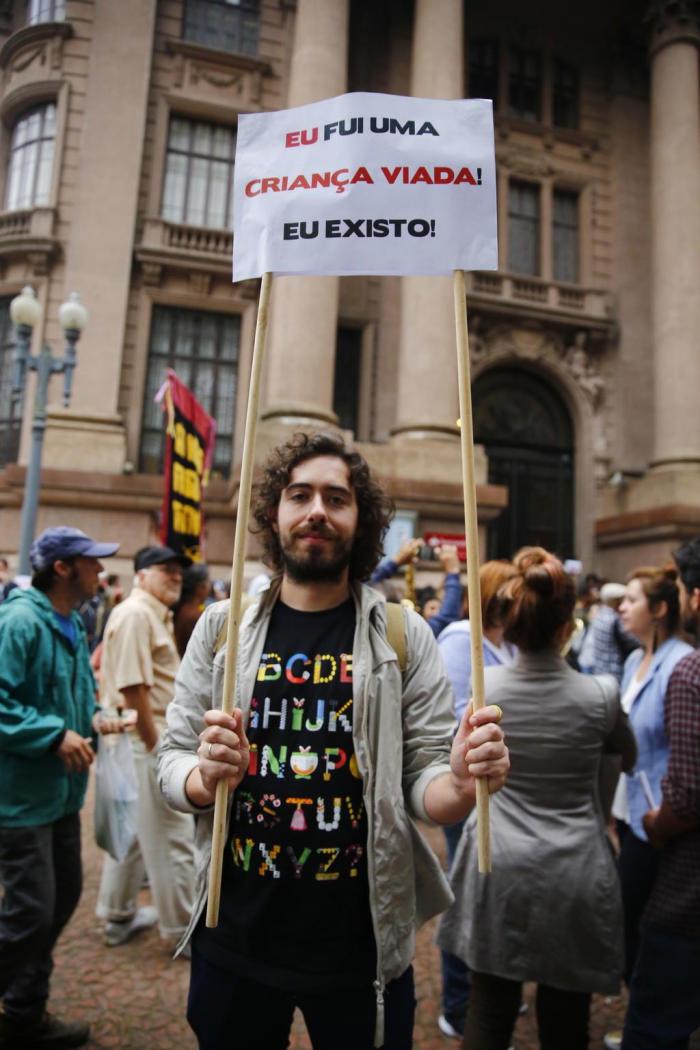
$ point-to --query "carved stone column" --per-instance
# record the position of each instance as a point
(304, 313)
(427, 380)
(675, 215)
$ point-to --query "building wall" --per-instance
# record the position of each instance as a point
(102, 232)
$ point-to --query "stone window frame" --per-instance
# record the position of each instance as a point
(45, 145)
(12, 108)
(169, 106)
(550, 61)
(548, 185)
(241, 9)
(192, 155)
(213, 366)
(177, 297)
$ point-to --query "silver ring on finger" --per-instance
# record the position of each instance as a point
(209, 751)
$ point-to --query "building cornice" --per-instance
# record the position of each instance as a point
(672, 22)
(28, 35)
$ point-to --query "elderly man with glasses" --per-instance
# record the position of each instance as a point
(139, 664)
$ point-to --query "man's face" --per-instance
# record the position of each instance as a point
(317, 520)
(164, 581)
(83, 577)
(690, 608)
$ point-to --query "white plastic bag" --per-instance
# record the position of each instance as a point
(116, 795)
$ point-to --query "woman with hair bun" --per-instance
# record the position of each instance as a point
(550, 910)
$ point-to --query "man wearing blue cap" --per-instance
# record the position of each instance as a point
(47, 716)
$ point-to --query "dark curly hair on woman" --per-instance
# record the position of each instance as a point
(375, 509)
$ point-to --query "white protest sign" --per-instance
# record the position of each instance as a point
(366, 184)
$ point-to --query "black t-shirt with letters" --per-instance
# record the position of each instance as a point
(294, 904)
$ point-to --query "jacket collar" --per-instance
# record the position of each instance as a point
(366, 598)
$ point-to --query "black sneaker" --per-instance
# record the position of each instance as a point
(47, 1032)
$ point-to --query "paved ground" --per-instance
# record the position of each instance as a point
(134, 996)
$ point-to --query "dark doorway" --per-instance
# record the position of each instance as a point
(526, 430)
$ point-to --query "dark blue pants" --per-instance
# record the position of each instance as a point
(455, 973)
(227, 1011)
(41, 875)
(664, 1004)
(636, 865)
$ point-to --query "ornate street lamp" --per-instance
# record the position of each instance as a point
(25, 312)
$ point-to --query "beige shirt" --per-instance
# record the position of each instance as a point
(139, 649)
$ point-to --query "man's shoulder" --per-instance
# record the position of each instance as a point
(22, 613)
(687, 670)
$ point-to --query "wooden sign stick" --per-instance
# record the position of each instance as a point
(234, 618)
(472, 536)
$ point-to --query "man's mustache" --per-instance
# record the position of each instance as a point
(323, 531)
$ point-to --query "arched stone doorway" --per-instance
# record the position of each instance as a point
(527, 433)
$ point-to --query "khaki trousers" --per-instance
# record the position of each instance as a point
(164, 850)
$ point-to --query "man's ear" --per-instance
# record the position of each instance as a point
(62, 569)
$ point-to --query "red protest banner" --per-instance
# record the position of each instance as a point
(189, 447)
(448, 539)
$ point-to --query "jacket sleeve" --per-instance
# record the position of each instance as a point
(23, 729)
(451, 604)
(177, 753)
(456, 652)
(384, 571)
(427, 715)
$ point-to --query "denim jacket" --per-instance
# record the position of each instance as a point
(647, 719)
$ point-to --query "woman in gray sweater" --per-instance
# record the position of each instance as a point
(550, 911)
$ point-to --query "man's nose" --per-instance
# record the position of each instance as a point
(317, 509)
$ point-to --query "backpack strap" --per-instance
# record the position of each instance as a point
(396, 633)
(220, 640)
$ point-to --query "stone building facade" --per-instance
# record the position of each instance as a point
(116, 161)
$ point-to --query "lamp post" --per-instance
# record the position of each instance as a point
(25, 312)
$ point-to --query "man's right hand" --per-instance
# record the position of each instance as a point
(449, 559)
(223, 755)
(75, 752)
(408, 552)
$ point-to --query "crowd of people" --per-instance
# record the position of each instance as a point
(352, 721)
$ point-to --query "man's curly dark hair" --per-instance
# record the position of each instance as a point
(375, 509)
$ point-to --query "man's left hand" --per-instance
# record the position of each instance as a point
(479, 750)
(649, 824)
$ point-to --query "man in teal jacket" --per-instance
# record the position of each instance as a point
(47, 716)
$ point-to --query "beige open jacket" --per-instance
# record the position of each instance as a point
(402, 732)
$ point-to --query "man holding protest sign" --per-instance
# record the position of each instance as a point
(332, 752)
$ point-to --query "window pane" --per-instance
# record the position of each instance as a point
(197, 196)
(45, 11)
(566, 96)
(196, 345)
(346, 385)
(174, 188)
(223, 24)
(10, 418)
(565, 236)
(31, 159)
(483, 70)
(523, 228)
(525, 84)
(198, 181)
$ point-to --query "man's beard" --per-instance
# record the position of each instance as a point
(316, 565)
